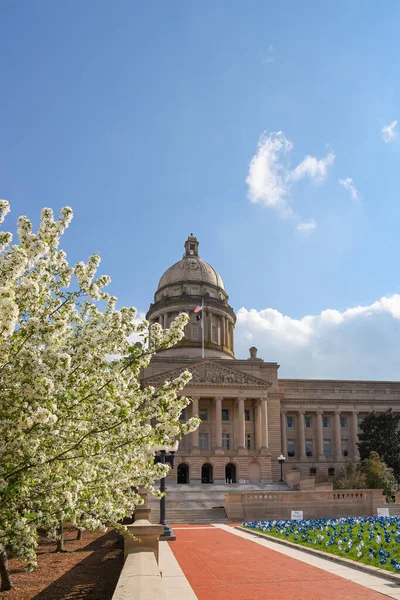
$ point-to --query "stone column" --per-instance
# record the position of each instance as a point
(320, 437)
(165, 320)
(338, 436)
(354, 436)
(264, 423)
(195, 434)
(302, 438)
(258, 425)
(222, 340)
(241, 425)
(209, 326)
(284, 433)
(218, 423)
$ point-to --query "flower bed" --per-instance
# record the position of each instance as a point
(371, 540)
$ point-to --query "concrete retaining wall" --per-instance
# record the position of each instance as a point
(314, 504)
(140, 578)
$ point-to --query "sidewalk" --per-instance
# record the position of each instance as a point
(221, 563)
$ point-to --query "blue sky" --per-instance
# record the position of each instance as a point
(146, 117)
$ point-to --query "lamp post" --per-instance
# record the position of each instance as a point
(166, 455)
(281, 461)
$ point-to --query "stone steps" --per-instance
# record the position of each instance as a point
(195, 516)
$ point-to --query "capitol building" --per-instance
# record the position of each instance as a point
(250, 415)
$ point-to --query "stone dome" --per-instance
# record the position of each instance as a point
(189, 284)
(191, 269)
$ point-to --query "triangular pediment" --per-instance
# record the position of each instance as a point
(207, 373)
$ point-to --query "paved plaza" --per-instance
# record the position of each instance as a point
(222, 563)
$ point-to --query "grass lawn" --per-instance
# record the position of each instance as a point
(371, 540)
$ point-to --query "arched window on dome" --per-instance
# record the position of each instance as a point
(195, 332)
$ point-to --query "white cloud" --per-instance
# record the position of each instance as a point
(348, 184)
(316, 169)
(357, 343)
(307, 225)
(388, 132)
(267, 175)
(270, 178)
(267, 60)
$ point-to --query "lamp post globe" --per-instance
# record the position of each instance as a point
(281, 460)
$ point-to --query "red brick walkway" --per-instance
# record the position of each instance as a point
(222, 566)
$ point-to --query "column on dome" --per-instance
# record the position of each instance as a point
(338, 436)
(264, 423)
(195, 434)
(258, 425)
(284, 446)
(320, 437)
(208, 329)
(241, 424)
(354, 436)
(221, 330)
(218, 422)
(165, 326)
(302, 439)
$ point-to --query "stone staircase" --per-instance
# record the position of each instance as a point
(202, 503)
(192, 515)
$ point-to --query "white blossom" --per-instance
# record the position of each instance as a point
(74, 424)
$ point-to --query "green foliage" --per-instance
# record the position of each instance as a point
(379, 476)
(372, 473)
(350, 478)
(379, 432)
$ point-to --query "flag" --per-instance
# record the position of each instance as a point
(198, 308)
(199, 317)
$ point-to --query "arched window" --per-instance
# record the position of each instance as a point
(230, 473)
(207, 473)
(183, 473)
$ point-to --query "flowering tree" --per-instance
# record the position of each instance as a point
(77, 430)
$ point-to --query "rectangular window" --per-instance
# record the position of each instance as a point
(327, 448)
(203, 414)
(290, 448)
(248, 441)
(247, 414)
(225, 441)
(345, 448)
(203, 441)
(225, 414)
(214, 334)
(343, 422)
(195, 333)
(290, 421)
(360, 420)
(182, 416)
(325, 422)
(309, 447)
(308, 421)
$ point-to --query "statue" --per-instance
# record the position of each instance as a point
(253, 354)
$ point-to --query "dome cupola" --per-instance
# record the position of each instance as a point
(181, 288)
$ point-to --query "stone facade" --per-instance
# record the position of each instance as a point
(249, 415)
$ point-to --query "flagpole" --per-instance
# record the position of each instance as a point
(202, 329)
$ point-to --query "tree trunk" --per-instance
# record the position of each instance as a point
(60, 539)
(79, 535)
(6, 583)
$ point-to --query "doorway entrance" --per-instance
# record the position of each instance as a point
(183, 473)
(207, 473)
(230, 473)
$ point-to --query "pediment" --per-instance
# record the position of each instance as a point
(207, 373)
